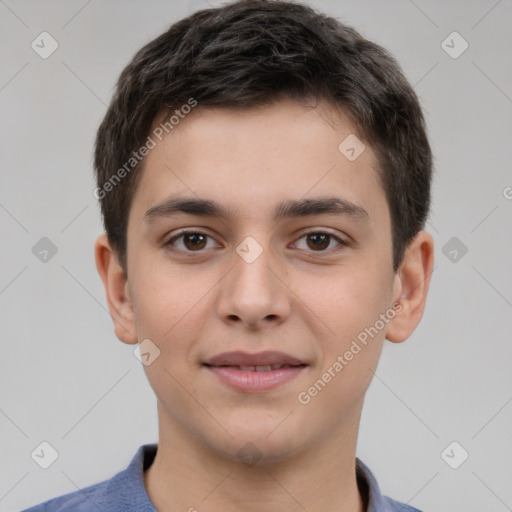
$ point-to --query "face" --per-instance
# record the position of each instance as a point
(258, 309)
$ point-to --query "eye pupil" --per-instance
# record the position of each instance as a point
(320, 240)
(196, 239)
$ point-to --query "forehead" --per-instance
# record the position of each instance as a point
(254, 159)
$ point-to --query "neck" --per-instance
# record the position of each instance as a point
(186, 476)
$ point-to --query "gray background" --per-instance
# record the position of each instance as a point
(67, 380)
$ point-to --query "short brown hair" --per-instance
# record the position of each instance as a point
(253, 52)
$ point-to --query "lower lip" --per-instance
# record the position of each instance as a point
(255, 381)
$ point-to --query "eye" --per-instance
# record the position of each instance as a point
(193, 241)
(319, 241)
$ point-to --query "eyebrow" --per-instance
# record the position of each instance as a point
(285, 209)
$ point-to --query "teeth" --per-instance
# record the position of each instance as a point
(265, 368)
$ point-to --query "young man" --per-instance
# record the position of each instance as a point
(264, 178)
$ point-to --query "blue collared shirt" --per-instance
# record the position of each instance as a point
(125, 492)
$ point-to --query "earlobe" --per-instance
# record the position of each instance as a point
(116, 290)
(412, 282)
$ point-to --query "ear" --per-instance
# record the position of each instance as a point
(116, 290)
(412, 281)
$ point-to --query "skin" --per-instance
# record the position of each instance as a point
(296, 298)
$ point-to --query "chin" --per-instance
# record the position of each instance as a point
(259, 442)
(258, 452)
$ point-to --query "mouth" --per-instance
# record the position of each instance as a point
(257, 368)
(257, 372)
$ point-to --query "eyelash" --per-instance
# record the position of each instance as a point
(168, 244)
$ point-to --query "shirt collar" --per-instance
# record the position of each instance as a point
(370, 491)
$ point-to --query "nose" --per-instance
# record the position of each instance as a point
(253, 294)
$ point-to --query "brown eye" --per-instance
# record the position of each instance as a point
(194, 241)
(318, 240)
(189, 241)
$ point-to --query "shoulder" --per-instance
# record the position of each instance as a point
(82, 500)
(375, 501)
(396, 506)
(124, 492)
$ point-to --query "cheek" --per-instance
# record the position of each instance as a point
(349, 300)
(171, 307)
(159, 306)
(351, 306)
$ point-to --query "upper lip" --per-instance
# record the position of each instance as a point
(240, 358)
